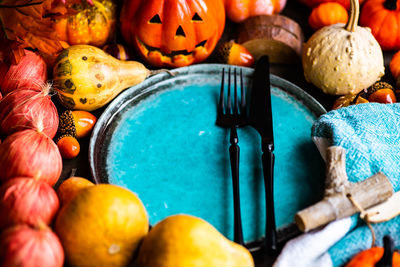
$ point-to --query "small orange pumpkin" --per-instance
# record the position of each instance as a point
(173, 33)
(395, 65)
(239, 10)
(93, 24)
(314, 3)
(383, 17)
(377, 256)
(327, 14)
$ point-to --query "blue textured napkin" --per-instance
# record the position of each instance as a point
(370, 133)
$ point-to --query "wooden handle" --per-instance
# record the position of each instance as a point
(277, 36)
(367, 193)
(336, 177)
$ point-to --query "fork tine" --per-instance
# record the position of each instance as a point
(228, 108)
(243, 95)
(236, 105)
(221, 105)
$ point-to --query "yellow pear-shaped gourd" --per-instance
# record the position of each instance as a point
(343, 59)
(86, 78)
(184, 240)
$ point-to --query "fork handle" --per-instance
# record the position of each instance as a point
(268, 160)
(234, 152)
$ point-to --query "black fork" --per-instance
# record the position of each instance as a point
(232, 117)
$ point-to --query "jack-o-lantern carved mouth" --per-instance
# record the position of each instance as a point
(173, 53)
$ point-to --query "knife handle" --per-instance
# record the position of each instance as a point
(268, 160)
(234, 152)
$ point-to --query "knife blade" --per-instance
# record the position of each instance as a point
(260, 118)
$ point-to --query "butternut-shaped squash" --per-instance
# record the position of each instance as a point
(86, 78)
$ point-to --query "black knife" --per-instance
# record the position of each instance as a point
(260, 118)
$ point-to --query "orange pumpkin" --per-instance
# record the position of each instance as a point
(173, 33)
(327, 14)
(377, 256)
(239, 10)
(383, 17)
(93, 24)
(314, 3)
(395, 65)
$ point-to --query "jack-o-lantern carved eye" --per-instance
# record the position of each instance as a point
(180, 32)
(202, 43)
(196, 18)
(155, 19)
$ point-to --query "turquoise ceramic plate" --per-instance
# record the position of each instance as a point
(159, 139)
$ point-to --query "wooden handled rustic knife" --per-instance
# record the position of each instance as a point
(260, 118)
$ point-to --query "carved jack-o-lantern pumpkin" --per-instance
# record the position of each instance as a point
(173, 33)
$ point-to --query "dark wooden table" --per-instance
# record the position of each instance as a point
(290, 72)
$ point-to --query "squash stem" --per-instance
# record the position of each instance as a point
(390, 4)
(354, 14)
(386, 260)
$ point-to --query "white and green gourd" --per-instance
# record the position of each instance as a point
(343, 59)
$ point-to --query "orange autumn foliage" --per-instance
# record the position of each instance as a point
(26, 23)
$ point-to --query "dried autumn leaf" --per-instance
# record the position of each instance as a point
(28, 23)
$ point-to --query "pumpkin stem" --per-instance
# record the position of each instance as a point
(354, 14)
(386, 260)
(390, 4)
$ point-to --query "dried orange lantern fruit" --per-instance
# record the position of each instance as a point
(381, 92)
(234, 54)
(77, 123)
(68, 145)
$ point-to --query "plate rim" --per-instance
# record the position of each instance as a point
(117, 103)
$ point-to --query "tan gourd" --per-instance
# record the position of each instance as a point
(343, 59)
(87, 78)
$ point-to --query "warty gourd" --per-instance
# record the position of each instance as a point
(343, 59)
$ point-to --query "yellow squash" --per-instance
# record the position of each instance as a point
(183, 240)
(87, 78)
